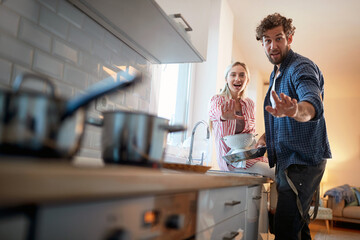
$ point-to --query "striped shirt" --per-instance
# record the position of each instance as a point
(224, 128)
(289, 141)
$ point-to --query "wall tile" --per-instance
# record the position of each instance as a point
(64, 90)
(27, 8)
(93, 29)
(32, 84)
(131, 101)
(75, 77)
(101, 51)
(34, 35)
(71, 14)
(113, 43)
(51, 4)
(53, 23)
(48, 65)
(5, 70)
(89, 63)
(65, 51)
(79, 38)
(15, 50)
(9, 21)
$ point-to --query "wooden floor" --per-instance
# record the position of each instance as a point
(319, 225)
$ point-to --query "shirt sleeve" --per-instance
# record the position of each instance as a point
(249, 116)
(215, 107)
(308, 83)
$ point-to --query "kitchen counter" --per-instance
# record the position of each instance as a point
(24, 181)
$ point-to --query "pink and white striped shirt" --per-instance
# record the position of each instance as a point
(224, 128)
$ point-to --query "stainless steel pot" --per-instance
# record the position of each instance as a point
(135, 138)
(44, 125)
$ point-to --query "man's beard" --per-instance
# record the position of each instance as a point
(282, 56)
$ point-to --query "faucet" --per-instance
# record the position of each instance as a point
(192, 141)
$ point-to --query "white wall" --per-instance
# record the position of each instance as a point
(209, 75)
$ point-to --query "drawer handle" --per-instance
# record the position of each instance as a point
(188, 28)
(232, 235)
(257, 198)
(232, 203)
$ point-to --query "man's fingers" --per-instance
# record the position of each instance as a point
(275, 96)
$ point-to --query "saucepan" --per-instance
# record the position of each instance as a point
(135, 138)
(44, 125)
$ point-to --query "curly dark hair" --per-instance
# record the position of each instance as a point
(272, 21)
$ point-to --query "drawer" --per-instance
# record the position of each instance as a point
(216, 205)
(232, 228)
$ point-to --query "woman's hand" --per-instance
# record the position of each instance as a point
(228, 111)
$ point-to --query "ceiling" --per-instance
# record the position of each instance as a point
(327, 32)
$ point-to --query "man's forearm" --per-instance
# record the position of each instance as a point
(305, 112)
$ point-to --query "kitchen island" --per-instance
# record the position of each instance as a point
(49, 195)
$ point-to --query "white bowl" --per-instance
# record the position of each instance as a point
(239, 141)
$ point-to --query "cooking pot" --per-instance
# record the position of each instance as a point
(45, 125)
(135, 138)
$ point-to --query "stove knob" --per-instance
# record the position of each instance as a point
(118, 234)
(175, 221)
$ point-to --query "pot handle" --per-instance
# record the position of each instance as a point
(173, 128)
(21, 78)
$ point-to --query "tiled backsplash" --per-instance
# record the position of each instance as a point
(53, 38)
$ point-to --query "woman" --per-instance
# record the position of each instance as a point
(231, 112)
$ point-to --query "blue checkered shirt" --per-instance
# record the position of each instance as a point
(289, 141)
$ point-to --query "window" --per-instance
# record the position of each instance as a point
(174, 97)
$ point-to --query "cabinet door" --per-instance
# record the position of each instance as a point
(143, 26)
(253, 209)
(196, 14)
(216, 205)
(232, 228)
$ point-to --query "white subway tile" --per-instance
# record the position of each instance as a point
(89, 63)
(5, 70)
(79, 38)
(48, 65)
(119, 61)
(75, 77)
(15, 50)
(113, 43)
(117, 97)
(64, 90)
(9, 21)
(71, 14)
(51, 4)
(26, 8)
(94, 29)
(34, 35)
(53, 23)
(101, 51)
(33, 84)
(65, 51)
(131, 101)
(143, 106)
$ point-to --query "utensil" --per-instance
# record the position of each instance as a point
(45, 125)
(239, 156)
(240, 141)
(135, 138)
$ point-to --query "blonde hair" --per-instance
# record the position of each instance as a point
(226, 90)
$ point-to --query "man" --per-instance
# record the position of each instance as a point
(295, 130)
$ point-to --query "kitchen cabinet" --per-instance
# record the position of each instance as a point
(196, 14)
(218, 205)
(145, 27)
(254, 199)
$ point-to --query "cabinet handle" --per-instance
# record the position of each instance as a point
(257, 198)
(232, 203)
(188, 28)
(232, 235)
